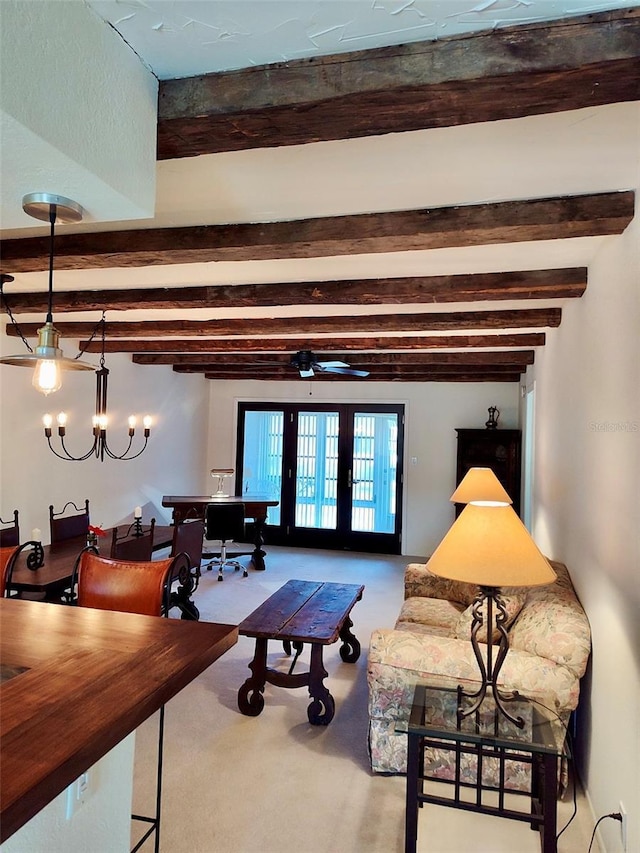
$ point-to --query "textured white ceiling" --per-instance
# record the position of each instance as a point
(182, 38)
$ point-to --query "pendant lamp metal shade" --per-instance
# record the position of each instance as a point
(47, 358)
(490, 546)
(480, 486)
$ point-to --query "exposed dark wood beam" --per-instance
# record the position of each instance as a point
(461, 376)
(526, 318)
(519, 284)
(527, 69)
(398, 231)
(387, 371)
(479, 357)
(292, 345)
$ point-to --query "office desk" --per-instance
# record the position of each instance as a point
(194, 506)
(91, 678)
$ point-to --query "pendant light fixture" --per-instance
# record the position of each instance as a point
(100, 446)
(48, 359)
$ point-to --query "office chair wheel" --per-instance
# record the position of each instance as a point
(220, 578)
(237, 568)
(245, 574)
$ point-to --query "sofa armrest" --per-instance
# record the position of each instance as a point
(420, 583)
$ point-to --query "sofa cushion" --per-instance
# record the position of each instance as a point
(420, 583)
(513, 602)
(553, 625)
(431, 612)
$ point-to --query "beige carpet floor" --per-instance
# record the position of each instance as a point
(274, 783)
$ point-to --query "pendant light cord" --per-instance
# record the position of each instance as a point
(53, 210)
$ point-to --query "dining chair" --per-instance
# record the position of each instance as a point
(129, 586)
(10, 535)
(187, 544)
(134, 543)
(68, 526)
(7, 558)
(225, 522)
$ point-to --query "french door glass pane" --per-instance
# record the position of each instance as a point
(262, 457)
(375, 459)
(317, 470)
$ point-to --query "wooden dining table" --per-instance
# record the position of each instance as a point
(255, 507)
(52, 577)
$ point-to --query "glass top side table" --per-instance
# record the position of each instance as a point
(483, 740)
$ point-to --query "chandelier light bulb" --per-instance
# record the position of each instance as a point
(62, 419)
(147, 421)
(47, 420)
(132, 421)
(47, 376)
(103, 420)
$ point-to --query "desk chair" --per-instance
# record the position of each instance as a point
(135, 543)
(187, 544)
(10, 535)
(68, 526)
(225, 522)
(130, 587)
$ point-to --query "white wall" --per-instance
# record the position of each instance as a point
(433, 411)
(102, 823)
(31, 477)
(587, 471)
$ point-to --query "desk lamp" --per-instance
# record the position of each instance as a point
(488, 545)
(221, 474)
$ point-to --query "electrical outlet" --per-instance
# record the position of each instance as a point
(623, 826)
(78, 793)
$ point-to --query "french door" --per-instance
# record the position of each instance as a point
(336, 471)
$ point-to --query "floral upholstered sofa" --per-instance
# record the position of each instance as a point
(549, 645)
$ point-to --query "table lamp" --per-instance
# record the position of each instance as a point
(480, 486)
(221, 475)
(488, 545)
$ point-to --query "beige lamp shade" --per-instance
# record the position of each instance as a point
(480, 486)
(490, 546)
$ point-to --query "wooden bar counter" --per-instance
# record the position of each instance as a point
(78, 681)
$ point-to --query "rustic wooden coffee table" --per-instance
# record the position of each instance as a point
(300, 612)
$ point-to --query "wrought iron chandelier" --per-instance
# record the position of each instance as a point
(100, 447)
(47, 358)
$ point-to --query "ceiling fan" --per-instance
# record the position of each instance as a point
(306, 363)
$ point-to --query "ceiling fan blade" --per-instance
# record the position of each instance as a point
(323, 364)
(348, 371)
(306, 373)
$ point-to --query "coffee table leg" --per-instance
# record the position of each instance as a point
(318, 692)
(350, 648)
(250, 698)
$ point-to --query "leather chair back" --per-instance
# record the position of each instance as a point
(127, 586)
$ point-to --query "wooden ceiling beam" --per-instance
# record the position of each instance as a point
(519, 284)
(258, 371)
(515, 71)
(292, 345)
(526, 318)
(366, 359)
(461, 376)
(565, 217)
